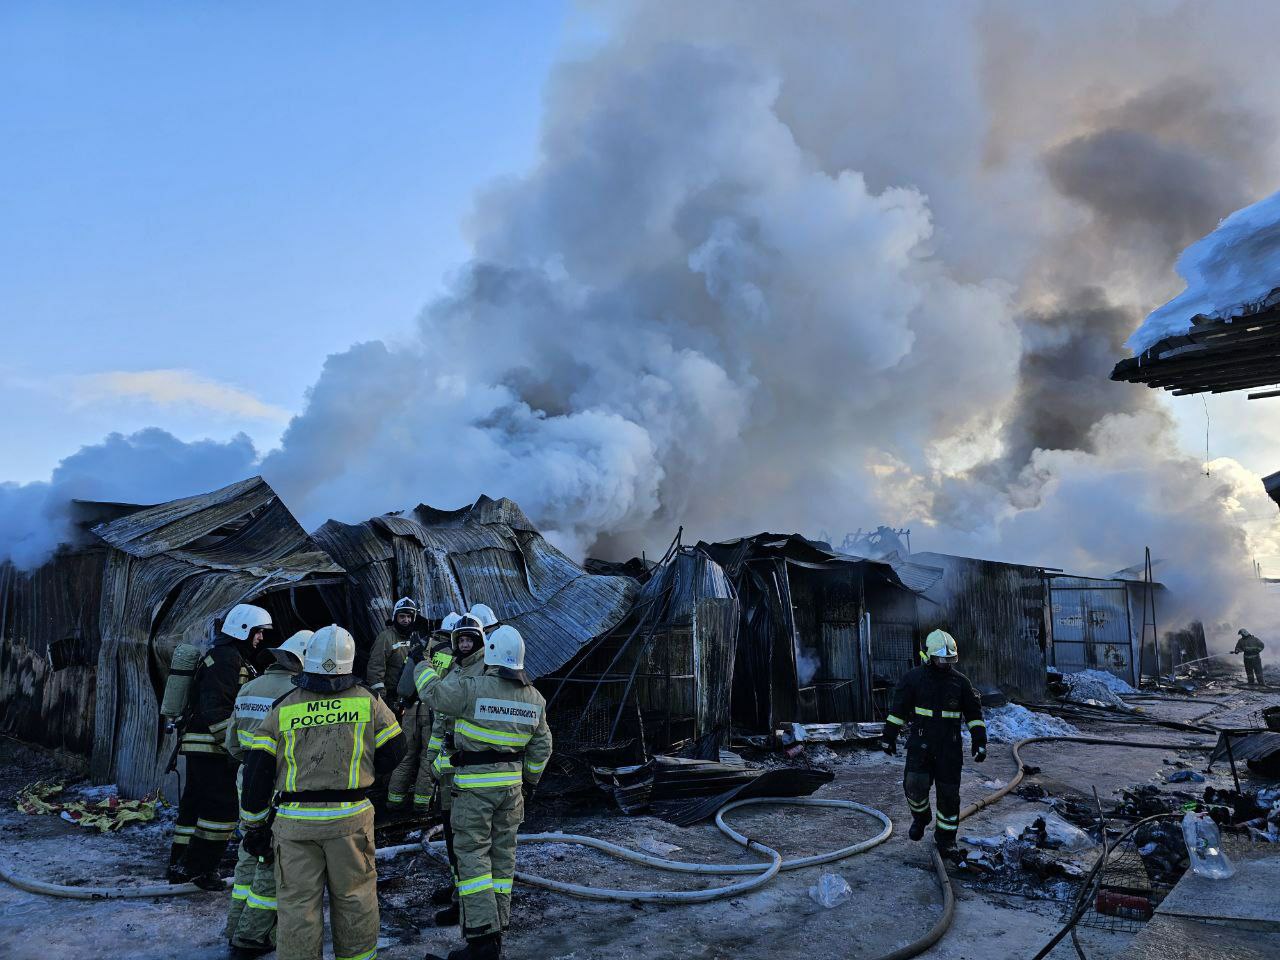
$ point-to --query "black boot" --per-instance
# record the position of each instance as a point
(918, 822)
(442, 896)
(448, 917)
(249, 951)
(177, 874)
(209, 881)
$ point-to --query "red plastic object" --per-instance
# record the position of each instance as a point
(1124, 905)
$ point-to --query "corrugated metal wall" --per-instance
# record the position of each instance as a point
(49, 649)
(996, 612)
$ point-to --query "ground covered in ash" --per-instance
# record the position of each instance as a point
(893, 899)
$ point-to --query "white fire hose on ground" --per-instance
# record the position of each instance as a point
(758, 873)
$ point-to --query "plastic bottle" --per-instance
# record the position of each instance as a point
(1204, 847)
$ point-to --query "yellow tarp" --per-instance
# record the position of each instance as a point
(108, 814)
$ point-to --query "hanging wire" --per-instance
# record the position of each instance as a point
(1206, 434)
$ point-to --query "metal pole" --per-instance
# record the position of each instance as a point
(1226, 735)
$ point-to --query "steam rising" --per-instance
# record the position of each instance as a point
(804, 266)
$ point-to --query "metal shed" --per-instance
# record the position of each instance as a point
(171, 571)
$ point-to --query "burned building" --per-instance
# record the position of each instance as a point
(489, 552)
(663, 677)
(87, 638)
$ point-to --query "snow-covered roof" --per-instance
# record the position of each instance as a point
(1232, 272)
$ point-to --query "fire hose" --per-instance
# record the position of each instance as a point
(757, 874)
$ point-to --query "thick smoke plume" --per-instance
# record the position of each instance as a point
(803, 266)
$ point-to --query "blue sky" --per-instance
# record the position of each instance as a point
(228, 192)
(200, 201)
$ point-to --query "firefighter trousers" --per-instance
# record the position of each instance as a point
(934, 765)
(1253, 668)
(412, 777)
(484, 825)
(251, 920)
(208, 812)
(344, 866)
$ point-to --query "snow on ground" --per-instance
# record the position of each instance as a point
(1096, 687)
(1108, 680)
(1237, 264)
(1009, 723)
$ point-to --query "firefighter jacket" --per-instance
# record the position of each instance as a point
(317, 752)
(1249, 645)
(441, 656)
(218, 679)
(935, 702)
(441, 744)
(253, 703)
(495, 716)
(386, 657)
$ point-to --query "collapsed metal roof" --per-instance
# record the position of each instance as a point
(488, 553)
(172, 571)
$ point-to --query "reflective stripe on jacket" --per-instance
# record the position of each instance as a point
(319, 741)
(253, 703)
(490, 712)
(441, 743)
(218, 679)
(929, 697)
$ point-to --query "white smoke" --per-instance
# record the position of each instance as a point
(150, 466)
(794, 266)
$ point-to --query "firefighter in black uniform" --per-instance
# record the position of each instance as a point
(208, 808)
(935, 700)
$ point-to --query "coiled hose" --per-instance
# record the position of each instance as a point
(759, 874)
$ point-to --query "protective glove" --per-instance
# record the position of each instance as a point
(257, 843)
(979, 753)
(526, 790)
(889, 746)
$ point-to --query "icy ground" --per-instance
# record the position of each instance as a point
(894, 898)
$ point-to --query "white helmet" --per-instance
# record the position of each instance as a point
(448, 623)
(244, 618)
(484, 613)
(405, 604)
(504, 648)
(941, 646)
(331, 652)
(296, 645)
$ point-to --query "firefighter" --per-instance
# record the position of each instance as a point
(467, 650)
(390, 648)
(207, 808)
(317, 751)
(501, 746)
(1252, 649)
(251, 920)
(936, 700)
(413, 775)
